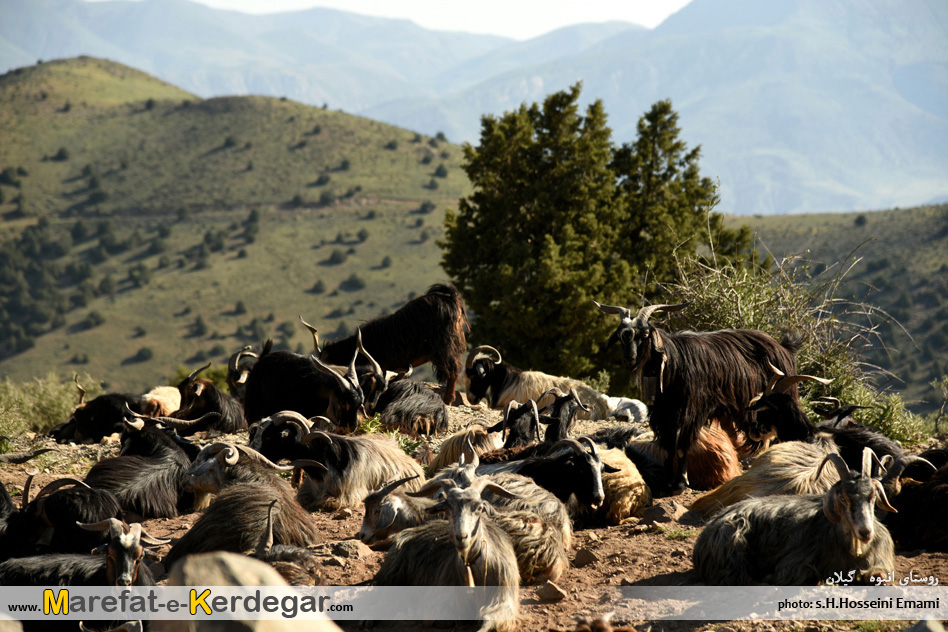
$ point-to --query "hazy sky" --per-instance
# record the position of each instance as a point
(519, 19)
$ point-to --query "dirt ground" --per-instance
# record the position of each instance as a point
(641, 553)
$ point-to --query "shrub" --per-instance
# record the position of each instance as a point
(94, 318)
(427, 207)
(386, 261)
(392, 144)
(441, 171)
(337, 257)
(353, 283)
(62, 154)
(150, 104)
(143, 355)
(362, 235)
(41, 403)
(318, 287)
(230, 141)
(322, 180)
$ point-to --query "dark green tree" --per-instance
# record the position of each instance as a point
(560, 216)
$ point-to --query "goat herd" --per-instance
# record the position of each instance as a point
(496, 505)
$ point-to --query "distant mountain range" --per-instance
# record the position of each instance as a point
(799, 105)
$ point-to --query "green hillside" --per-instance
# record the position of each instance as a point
(899, 262)
(144, 228)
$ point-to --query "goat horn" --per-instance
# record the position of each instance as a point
(390, 487)
(340, 380)
(646, 312)
(468, 448)
(58, 484)
(147, 538)
(316, 433)
(485, 484)
(266, 540)
(572, 443)
(82, 391)
(184, 424)
(313, 331)
(572, 391)
(892, 480)
(17, 458)
(784, 384)
(304, 463)
(208, 451)
(262, 460)
(475, 353)
(432, 486)
(535, 420)
(25, 500)
(838, 462)
(376, 368)
(112, 525)
(624, 312)
(593, 449)
(195, 372)
(293, 417)
(868, 459)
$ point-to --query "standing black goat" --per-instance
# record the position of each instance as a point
(689, 378)
(428, 328)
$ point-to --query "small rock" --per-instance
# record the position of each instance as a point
(639, 529)
(334, 561)
(585, 557)
(343, 514)
(679, 553)
(592, 536)
(666, 512)
(625, 581)
(548, 591)
(30, 436)
(350, 549)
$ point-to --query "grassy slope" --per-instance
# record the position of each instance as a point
(175, 156)
(902, 267)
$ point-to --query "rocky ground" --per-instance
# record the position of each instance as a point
(653, 549)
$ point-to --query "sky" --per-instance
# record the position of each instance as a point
(517, 19)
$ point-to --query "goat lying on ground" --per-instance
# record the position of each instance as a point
(800, 540)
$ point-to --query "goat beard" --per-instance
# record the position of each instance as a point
(856, 546)
(470, 575)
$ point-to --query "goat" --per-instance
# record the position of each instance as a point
(624, 491)
(482, 438)
(122, 566)
(789, 468)
(238, 372)
(354, 465)
(800, 540)
(149, 475)
(91, 421)
(568, 471)
(161, 401)
(468, 549)
(412, 408)
(506, 383)
(298, 566)
(920, 521)
(282, 380)
(428, 328)
(48, 522)
(688, 378)
(200, 396)
(246, 483)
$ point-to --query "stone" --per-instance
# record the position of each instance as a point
(334, 561)
(666, 512)
(342, 514)
(584, 557)
(548, 591)
(351, 549)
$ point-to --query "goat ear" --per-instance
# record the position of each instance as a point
(831, 505)
(198, 389)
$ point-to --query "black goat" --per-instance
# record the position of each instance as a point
(93, 420)
(428, 328)
(198, 398)
(689, 378)
(121, 566)
(282, 380)
(412, 408)
(920, 521)
(238, 371)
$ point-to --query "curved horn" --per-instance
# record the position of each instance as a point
(892, 481)
(572, 443)
(624, 312)
(376, 368)
(343, 382)
(262, 460)
(572, 391)
(511, 406)
(390, 487)
(839, 463)
(58, 484)
(17, 458)
(646, 312)
(146, 538)
(82, 391)
(266, 540)
(313, 331)
(475, 353)
(593, 449)
(432, 486)
(535, 420)
(25, 500)
(291, 417)
(304, 463)
(316, 433)
(214, 449)
(184, 424)
(784, 384)
(468, 448)
(195, 372)
(112, 525)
